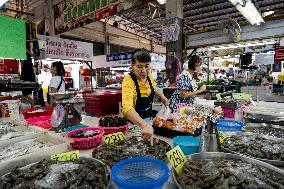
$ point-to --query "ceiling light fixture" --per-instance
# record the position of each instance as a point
(161, 1)
(2, 2)
(248, 10)
(242, 45)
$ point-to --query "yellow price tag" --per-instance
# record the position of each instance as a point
(218, 96)
(242, 96)
(114, 138)
(177, 159)
(68, 156)
(222, 137)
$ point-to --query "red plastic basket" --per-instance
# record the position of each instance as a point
(86, 143)
(41, 121)
(30, 112)
(111, 130)
(229, 112)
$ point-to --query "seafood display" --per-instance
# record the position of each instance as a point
(83, 173)
(113, 121)
(21, 148)
(271, 130)
(9, 131)
(183, 123)
(132, 147)
(256, 145)
(85, 134)
(228, 173)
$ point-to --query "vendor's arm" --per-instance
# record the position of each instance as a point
(188, 94)
(164, 100)
(51, 91)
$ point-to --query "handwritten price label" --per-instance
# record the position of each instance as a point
(68, 156)
(114, 138)
(177, 159)
(222, 137)
(218, 96)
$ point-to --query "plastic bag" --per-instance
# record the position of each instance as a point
(164, 112)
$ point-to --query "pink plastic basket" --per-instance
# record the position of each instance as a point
(86, 143)
(41, 121)
(229, 112)
(111, 130)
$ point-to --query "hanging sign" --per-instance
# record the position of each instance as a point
(13, 38)
(120, 59)
(68, 16)
(59, 48)
(114, 138)
(177, 159)
(68, 156)
(279, 53)
(170, 29)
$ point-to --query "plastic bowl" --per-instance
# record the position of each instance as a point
(188, 144)
(140, 172)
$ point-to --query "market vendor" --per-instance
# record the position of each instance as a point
(57, 83)
(187, 87)
(138, 91)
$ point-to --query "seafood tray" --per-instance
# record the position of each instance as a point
(45, 174)
(261, 147)
(265, 115)
(265, 129)
(170, 133)
(131, 147)
(9, 131)
(224, 170)
(17, 152)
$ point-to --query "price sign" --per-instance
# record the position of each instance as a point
(218, 96)
(222, 137)
(242, 96)
(177, 159)
(68, 156)
(114, 138)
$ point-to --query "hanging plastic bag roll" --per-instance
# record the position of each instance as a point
(164, 112)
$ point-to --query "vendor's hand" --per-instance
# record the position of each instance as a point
(147, 133)
(202, 88)
(165, 101)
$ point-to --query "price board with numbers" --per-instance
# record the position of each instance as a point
(114, 138)
(68, 156)
(177, 159)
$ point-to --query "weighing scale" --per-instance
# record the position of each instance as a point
(64, 114)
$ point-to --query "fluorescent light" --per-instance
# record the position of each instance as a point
(2, 2)
(248, 10)
(161, 1)
(242, 45)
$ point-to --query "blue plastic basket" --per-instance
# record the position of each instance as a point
(188, 144)
(229, 125)
(69, 129)
(140, 172)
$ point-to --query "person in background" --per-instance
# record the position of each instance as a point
(57, 83)
(138, 91)
(186, 84)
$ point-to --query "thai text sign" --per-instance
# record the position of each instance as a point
(67, 49)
